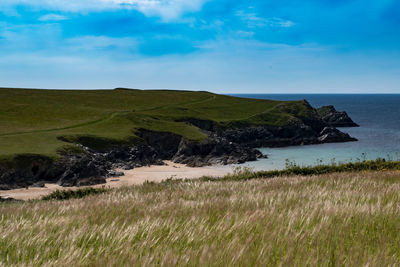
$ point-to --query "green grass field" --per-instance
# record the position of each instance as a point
(31, 121)
(336, 219)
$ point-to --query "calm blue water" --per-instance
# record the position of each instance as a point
(379, 134)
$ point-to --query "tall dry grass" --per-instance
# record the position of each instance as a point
(350, 219)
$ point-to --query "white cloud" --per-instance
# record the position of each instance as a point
(278, 22)
(53, 17)
(166, 9)
(254, 21)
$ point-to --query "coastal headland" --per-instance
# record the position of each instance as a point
(84, 137)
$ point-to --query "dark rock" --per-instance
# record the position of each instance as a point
(249, 136)
(24, 171)
(333, 135)
(128, 167)
(39, 184)
(165, 143)
(214, 150)
(91, 181)
(290, 135)
(114, 173)
(86, 169)
(334, 118)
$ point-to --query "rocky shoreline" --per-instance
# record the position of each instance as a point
(224, 145)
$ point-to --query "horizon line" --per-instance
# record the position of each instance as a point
(169, 89)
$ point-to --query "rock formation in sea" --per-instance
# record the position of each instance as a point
(335, 118)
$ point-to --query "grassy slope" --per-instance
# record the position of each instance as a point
(349, 219)
(31, 120)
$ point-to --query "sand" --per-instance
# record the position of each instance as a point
(136, 176)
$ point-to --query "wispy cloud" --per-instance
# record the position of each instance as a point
(255, 21)
(52, 17)
(166, 9)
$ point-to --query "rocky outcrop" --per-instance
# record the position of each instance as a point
(286, 136)
(128, 158)
(71, 170)
(333, 135)
(83, 169)
(24, 170)
(334, 118)
(166, 144)
(214, 150)
(272, 137)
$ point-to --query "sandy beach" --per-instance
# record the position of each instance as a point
(136, 176)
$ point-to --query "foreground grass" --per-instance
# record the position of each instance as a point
(327, 220)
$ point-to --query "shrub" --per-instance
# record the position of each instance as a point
(79, 193)
(293, 169)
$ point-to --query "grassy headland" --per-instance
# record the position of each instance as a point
(334, 219)
(40, 121)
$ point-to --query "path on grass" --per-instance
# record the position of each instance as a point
(109, 117)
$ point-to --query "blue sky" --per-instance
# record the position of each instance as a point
(225, 46)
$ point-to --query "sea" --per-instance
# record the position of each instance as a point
(379, 133)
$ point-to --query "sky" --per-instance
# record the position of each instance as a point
(223, 46)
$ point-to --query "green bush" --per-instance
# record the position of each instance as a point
(70, 194)
(293, 169)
